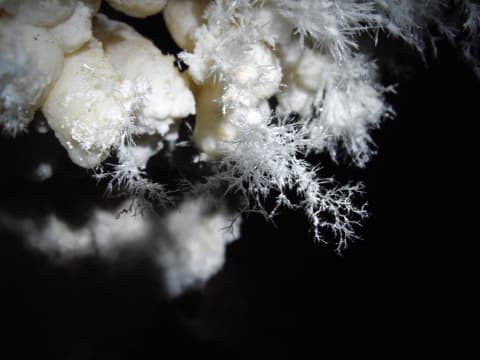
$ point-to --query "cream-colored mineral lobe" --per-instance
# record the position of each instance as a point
(30, 62)
(209, 119)
(182, 18)
(88, 106)
(138, 8)
(138, 60)
(75, 31)
(45, 13)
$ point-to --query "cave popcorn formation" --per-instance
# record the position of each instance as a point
(186, 256)
(269, 82)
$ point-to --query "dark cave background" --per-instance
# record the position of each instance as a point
(279, 293)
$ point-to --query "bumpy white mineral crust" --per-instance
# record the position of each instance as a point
(88, 108)
(138, 60)
(104, 234)
(182, 18)
(77, 29)
(30, 62)
(194, 249)
(138, 8)
(44, 13)
(188, 243)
